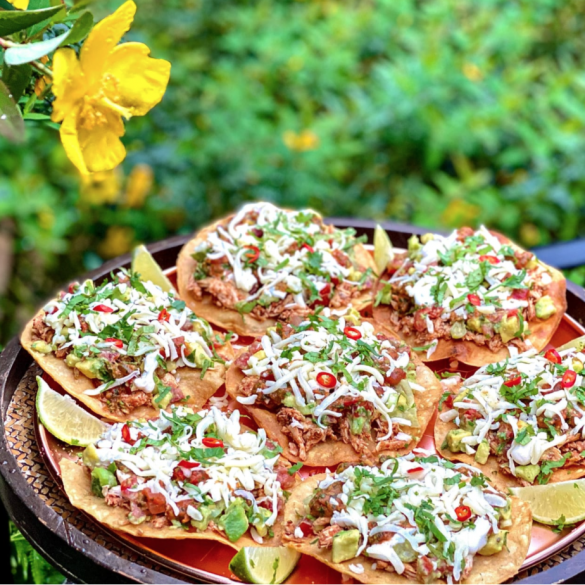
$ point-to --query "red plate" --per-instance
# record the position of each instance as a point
(209, 561)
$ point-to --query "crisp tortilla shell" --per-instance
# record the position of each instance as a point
(493, 569)
(77, 484)
(491, 469)
(468, 352)
(230, 319)
(190, 382)
(331, 452)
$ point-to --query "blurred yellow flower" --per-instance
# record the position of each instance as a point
(107, 83)
(46, 219)
(139, 185)
(529, 234)
(472, 72)
(459, 213)
(118, 241)
(101, 188)
(20, 4)
(301, 142)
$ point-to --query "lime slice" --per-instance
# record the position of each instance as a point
(551, 502)
(578, 343)
(146, 266)
(64, 419)
(254, 564)
(383, 252)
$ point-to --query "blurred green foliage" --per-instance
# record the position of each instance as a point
(435, 112)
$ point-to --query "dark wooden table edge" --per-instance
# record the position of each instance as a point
(34, 516)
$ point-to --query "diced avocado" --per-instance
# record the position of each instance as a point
(505, 513)
(474, 324)
(354, 275)
(345, 545)
(234, 521)
(163, 402)
(100, 478)
(414, 246)
(196, 354)
(259, 355)
(357, 425)
(352, 316)
(483, 452)
(90, 367)
(495, 543)
(90, 456)
(509, 326)
(532, 263)
(545, 307)
(528, 472)
(209, 512)
(426, 238)
(72, 360)
(454, 439)
(410, 414)
(198, 326)
(577, 365)
(42, 347)
(405, 390)
(458, 330)
(259, 520)
(405, 552)
(384, 296)
(289, 400)
(136, 521)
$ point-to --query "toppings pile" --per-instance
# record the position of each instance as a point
(422, 518)
(195, 472)
(468, 286)
(528, 412)
(129, 337)
(270, 263)
(328, 378)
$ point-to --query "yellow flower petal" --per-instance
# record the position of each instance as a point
(106, 34)
(101, 146)
(135, 80)
(20, 4)
(70, 140)
(69, 84)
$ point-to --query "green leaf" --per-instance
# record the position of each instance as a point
(16, 79)
(80, 29)
(27, 53)
(35, 116)
(11, 122)
(17, 20)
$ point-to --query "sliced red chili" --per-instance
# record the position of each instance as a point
(252, 254)
(414, 470)
(513, 381)
(103, 309)
(324, 295)
(489, 258)
(72, 287)
(463, 513)
(117, 342)
(188, 464)
(212, 442)
(306, 528)
(520, 294)
(351, 401)
(569, 378)
(310, 248)
(52, 310)
(352, 333)
(164, 315)
(126, 435)
(512, 313)
(474, 300)
(326, 380)
(552, 355)
(449, 401)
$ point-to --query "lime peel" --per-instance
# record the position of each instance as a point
(147, 267)
(264, 564)
(383, 251)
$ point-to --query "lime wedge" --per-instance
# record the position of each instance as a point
(551, 502)
(264, 564)
(383, 252)
(146, 266)
(64, 419)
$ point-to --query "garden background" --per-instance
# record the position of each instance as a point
(435, 112)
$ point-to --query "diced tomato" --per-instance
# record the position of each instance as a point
(463, 513)
(307, 528)
(127, 483)
(513, 381)
(126, 435)
(474, 300)
(512, 313)
(103, 309)
(324, 295)
(310, 248)
(257, 232)
(155, 502)
(352, 333)
(188, 464)
(326, 380)
(472, 414)
(164, 316)
(414, 470)
(252, 254)
(351, 402)
(569, 378)
(520, 294)
(396, 376)
(72, 287)
(489, 258)
(211, 442)
(285, 479)
(178, 474)
(552, 355)
(449, 401)
(117, 342)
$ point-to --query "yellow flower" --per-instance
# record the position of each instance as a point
(459, 212)
(118, 241)
(20, 4)
(139, 185)
(472, 72)
(301, 142)
(101, 188)
(107, 83)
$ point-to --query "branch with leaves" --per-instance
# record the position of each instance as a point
(60, 68)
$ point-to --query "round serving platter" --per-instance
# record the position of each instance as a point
(29, 453)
